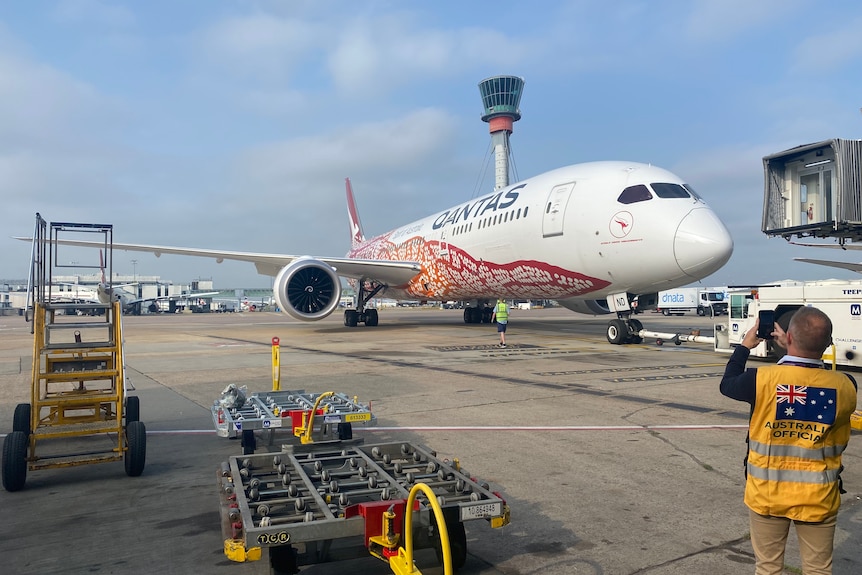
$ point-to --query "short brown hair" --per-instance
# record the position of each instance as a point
(811, 330)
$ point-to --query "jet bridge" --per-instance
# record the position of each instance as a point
(814, 190)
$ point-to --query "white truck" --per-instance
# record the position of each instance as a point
(703, 301)
(841, 300)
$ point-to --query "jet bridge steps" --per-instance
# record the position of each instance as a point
(78, 412)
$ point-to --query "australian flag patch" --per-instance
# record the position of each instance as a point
(805, 403)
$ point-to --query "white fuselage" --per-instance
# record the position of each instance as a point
(564, 234)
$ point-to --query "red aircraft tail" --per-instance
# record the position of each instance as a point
(357, 237)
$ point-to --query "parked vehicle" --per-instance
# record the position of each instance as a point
(841, 300)
(703, 301)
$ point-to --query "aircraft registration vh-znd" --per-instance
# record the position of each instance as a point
(591, 236)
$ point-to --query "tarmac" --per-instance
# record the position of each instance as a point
(614, 460)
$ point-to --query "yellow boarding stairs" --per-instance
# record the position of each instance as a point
(78, 412)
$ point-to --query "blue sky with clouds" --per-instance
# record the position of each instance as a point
(232, 124)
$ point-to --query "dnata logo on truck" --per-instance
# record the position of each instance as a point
(673, 298)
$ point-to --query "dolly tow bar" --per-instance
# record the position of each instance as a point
(304, 433)
(401, 562)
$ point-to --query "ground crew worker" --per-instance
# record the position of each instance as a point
(501, 317)
(798, 429)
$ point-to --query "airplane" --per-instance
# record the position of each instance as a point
(104, 293)
(591, 236)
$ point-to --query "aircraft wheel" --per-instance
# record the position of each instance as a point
(133, 409)
(136, 448)
(457, 539)
(467, 315)
(351, 318)
(15, 460)
(617, 331)
(371, 317)
(21, 419)
(486, 314)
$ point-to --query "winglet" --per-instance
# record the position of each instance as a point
(356, 235)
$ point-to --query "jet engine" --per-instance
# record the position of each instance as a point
(587, 306)
(307, 289)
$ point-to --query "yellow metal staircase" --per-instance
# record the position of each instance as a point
(78, 412)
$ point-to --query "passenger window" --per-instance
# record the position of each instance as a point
(670, 191)
(634, 194)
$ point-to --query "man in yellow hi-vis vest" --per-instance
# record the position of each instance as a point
(501, 317)
(799, 427)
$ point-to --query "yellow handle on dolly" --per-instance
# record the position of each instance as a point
(402, 564)
(304, 432)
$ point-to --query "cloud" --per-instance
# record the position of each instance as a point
(40, 105)
(98, 12)
(375, 55)
(261, 46)
(398, 145)
(724, 20)
(830, 51)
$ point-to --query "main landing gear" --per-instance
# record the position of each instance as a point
(478, 314)
(353, 317)
(624, 329)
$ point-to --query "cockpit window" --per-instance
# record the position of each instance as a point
(670, 191)
(692, 192)
(633, 194)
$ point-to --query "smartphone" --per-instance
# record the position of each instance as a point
(767, 323)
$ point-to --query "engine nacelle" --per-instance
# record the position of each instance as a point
(587, 306)
(307, 289)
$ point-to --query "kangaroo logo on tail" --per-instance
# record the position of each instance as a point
(356, 235)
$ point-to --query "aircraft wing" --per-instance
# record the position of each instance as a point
(392, 273)
(845, 246)
(844, 265)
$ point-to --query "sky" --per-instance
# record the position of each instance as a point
(232, 124)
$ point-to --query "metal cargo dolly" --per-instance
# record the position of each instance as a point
(311, 417)
(311, 504)
(79, 412)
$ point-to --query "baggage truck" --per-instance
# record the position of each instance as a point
(703, 301)
(841, 300)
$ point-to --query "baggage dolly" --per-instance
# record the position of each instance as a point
(333, 415)
(311, 504)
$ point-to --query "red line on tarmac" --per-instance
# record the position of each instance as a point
(487, 428)
(552, 428)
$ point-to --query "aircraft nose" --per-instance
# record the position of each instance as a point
(702, 244)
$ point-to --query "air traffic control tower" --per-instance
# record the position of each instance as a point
(501, 96)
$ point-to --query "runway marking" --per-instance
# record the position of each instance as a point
(478, 347)
(624, 369)
(665, 377)
(554, 428)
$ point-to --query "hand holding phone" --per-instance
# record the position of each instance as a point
(766, 325)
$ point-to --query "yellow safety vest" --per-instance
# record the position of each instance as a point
(501, 312)
(799, 428)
